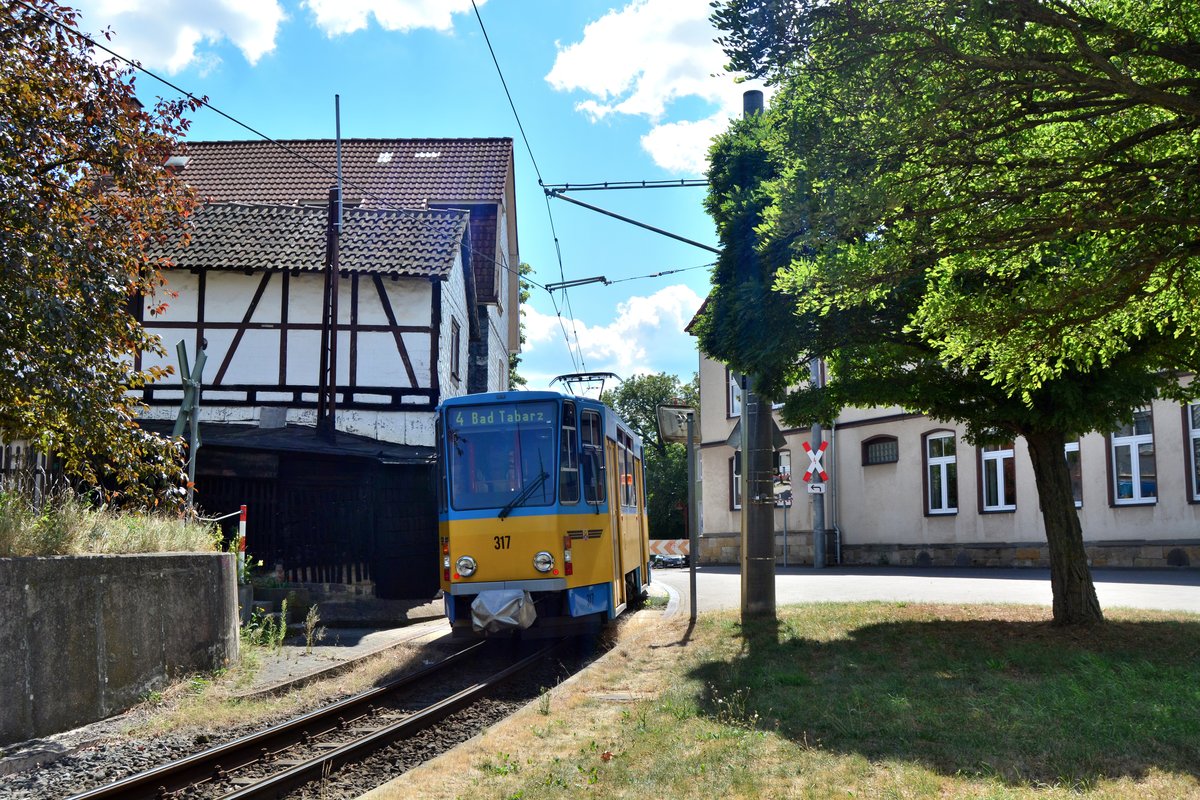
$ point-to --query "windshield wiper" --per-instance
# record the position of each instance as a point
(529, 489)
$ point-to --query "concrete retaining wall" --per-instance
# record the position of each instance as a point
(83, 638)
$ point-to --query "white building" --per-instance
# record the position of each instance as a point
(905, 489)
(427, 309)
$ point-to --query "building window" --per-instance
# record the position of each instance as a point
(455, 348)
(734, 400)
(735, 480)
(1193, 423)
(1075, 467)
(999, 476)
(1135, 479)
(941, 473)
(880, 450)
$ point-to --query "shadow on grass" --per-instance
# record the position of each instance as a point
(1023, 702)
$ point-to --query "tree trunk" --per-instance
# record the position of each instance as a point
(1075, 600)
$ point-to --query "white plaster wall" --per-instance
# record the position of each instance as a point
(884, 503)
(497, 368)
(256, 360)
(454, 307)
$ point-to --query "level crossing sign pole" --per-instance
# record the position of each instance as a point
(818, 473)
(188, 420)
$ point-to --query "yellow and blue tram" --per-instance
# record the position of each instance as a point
(542, 512)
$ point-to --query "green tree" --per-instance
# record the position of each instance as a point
(637, 401)
(976, 210)
(83, 196)
(515, 380)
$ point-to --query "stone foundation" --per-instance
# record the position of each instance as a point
(1149, 555)
(726, 548)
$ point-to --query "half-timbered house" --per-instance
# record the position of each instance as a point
(426, 308)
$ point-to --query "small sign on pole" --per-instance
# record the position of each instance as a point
(816, 488)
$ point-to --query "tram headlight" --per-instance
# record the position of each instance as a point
(466, 566)
(543, 562)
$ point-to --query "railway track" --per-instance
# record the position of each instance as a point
(279, 760)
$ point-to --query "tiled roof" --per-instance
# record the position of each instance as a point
(267, 237)
(380, 172)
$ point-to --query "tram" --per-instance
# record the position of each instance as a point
(542, 513)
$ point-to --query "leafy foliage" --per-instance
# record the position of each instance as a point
(83, 196)
(1030, 163)
(637, 401)
(982, 211)
(516, 380)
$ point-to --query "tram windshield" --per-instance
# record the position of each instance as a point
(500, 453)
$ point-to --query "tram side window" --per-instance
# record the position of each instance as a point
(625, 453)
(592, 434)
(568, 457)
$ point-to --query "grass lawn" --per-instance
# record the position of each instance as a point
(868, 700)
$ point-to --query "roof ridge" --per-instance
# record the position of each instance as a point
(460, 213)
(365, 139)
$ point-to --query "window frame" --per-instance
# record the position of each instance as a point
(591, 425)
(988, 456)
(735, 481)
(1134, 442)
(455, 350)
(1073, 447)
(733, 395)
(568, 454)
(1191, 440)
(928, 461)
(876, 440)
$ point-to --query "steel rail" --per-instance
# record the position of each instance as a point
(325, 764)
(156, 782)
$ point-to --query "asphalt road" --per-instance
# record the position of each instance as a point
(720, 587)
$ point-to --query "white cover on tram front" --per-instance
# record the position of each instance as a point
(499, 610)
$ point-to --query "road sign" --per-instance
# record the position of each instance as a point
(814, 463)
(816, 488)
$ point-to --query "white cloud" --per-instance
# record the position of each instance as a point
(639, 61)
(683, 146)
(646, 336)
(171, 34)
(337, 17)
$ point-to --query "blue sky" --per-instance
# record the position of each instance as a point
(606, 91)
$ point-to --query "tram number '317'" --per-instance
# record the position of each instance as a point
(502, 542)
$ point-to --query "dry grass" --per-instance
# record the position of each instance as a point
(67, 525)
(865, 700)
(220, 702)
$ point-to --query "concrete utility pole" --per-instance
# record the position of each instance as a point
(758, 497)
(758, 507)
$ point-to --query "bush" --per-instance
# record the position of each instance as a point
(67, 524)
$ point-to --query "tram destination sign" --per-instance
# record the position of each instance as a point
(501, 415)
